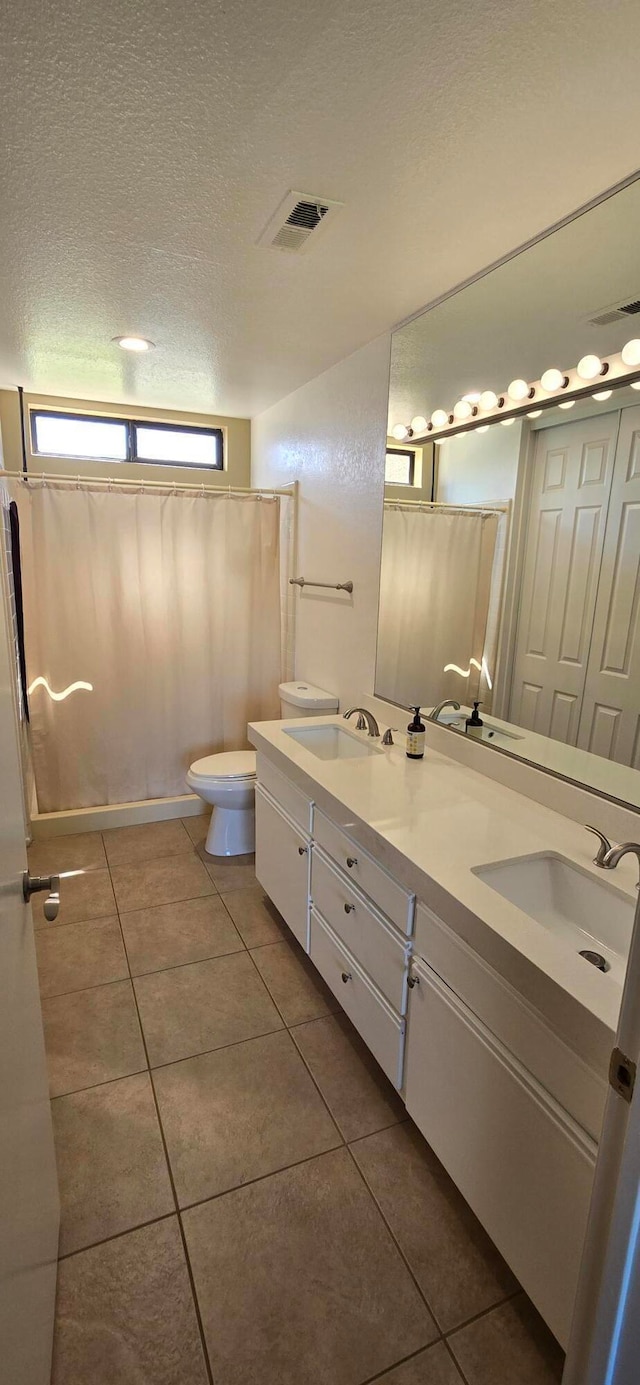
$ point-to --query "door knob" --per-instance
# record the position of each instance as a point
(346, 976)
(352, 861)
(349, 908)
(33, 884)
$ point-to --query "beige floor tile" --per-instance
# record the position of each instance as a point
(358, 1094)
(92, 1036)
(87, 895)
(125, 1314)
(80, 955)
(191, 1009)
(172, 934)
(79, 851)
(146, 841)
(299, 1282)
(240, 1113)
(296, 986)
(163, 880)
(255, 917)
(197, 827)
(431, 1367)
(456, 1265)
(511, 1344)
(112, 1169)
(230, 872)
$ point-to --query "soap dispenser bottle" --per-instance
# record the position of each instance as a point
(415, 736)
(474, 724)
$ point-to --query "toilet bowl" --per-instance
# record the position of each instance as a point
(227, 781)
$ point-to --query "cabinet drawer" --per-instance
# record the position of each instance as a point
(523, 1165)
(291, 798)
(381, 1029)
(564, 1074)
(282, 864)
(376, 946)
(394, 901)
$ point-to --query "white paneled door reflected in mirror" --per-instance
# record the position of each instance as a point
(511, 564)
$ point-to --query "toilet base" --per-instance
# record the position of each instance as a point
(232, 832)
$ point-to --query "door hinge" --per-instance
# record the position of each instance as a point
(622, 1074)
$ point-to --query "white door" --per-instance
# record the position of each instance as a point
(610, 721)
(29, 1212)
(573, 467)
(282, 865)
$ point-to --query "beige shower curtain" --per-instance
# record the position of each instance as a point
(435, 583)
(167, 605)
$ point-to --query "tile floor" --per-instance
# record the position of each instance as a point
(243, 1199)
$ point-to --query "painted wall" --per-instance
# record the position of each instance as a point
(475, 468)
(237, 440)
(331, 436)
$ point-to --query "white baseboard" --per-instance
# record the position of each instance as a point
(115, 815)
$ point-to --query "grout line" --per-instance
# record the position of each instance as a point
(456, 1363)
(390, 1370)
(194, 1295)
(397, 1245)
(262, 1177)
(71, 923)
(119, 1078)
(468, 1322)
(117, 1236)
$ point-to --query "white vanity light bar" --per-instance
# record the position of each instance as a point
(554, 385)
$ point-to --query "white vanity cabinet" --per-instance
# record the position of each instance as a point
(520, 1158)
(283, 841)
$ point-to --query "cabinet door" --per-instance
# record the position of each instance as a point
(282, 865)
(521, 1162)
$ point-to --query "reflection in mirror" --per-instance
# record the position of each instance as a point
(511, 558)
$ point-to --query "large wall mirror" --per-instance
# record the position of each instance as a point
(511, 533)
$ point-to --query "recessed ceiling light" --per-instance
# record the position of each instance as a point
(134, 343)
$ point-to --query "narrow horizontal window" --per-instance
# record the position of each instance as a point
(398, 469)
(81, 436)
(71, 435)
(178, 446)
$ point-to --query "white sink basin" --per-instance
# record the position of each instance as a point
(331, 742)
(591, 915)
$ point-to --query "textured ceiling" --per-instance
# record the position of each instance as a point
(144, 147)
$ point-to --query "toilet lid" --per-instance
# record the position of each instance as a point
(229, 764)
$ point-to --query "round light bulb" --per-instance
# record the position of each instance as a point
(462, 409)
(400, 432)
(552, 380)
(488, 400)
(589, 367)
(568, 404)
(518, 389)
(506, 422)
(602, 394)
(535, 413)
(631, 352)
(134, 343)
(484, 429)
(439, 418)
(418, 423)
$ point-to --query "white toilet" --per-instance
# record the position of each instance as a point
(228, 780)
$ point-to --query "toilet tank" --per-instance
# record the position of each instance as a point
(300, 699)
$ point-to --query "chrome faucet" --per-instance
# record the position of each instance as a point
(604, 847)
(434, 714)
(366, 720)
(615, 854)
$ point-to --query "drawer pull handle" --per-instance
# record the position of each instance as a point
(349, 908)
(302, 850)
(413, 981)
(352, 861)
(346, 976)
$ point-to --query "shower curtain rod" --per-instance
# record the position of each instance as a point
(451, 509)
(44, 476)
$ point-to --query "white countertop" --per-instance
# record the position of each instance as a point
(429, 822)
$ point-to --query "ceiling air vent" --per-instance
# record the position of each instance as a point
(616, 313)
(299, 217)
